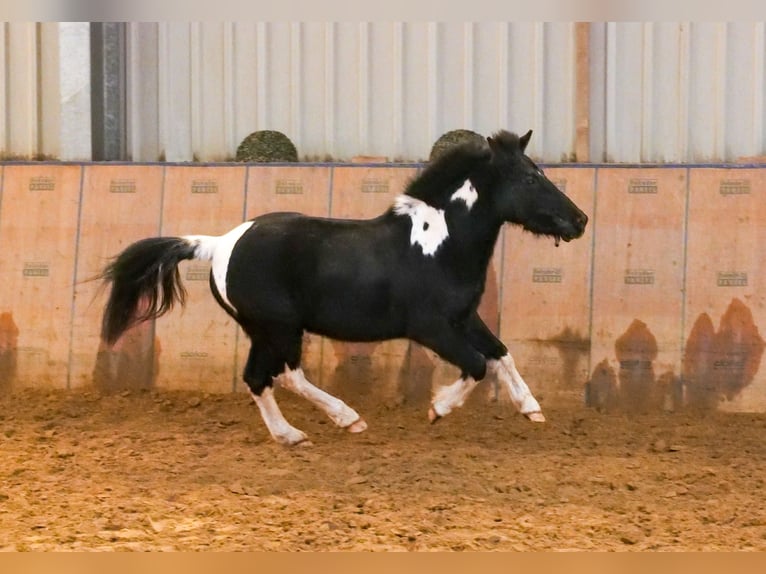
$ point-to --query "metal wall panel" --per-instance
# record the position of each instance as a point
(725, 297)
(678, 92)
(197, 200)
(339, 90)
(38, 232)
(119, 204)
(44, 90)
(659, 92)
(637, 285)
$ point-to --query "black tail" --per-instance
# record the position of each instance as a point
(144, 275)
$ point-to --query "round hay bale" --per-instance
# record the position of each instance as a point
(452, 138)
(267, 146)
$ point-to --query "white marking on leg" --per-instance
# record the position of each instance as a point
(450, 397)
(429, 227)
(282, 431)
(338, 411)
(466, 193)
(521, 397)
(217, 249)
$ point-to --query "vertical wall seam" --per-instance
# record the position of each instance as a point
(329, 90)
(684, 77)
(38, 137)
(610, 120)
(539, 78)
(163, 80)
(433, 81)
(500, 299)
(398, 79)
(238, 332)
(759, 89)
(2, 187)
(363, 87)
(296, 83)
(719, 133)
(503, 75)
(153, 324)
(646, 140)
(4, 99)
(196, 91)
(261, 72)
(685, 259)
(592, 278)
(78, 233)
(229, 92)
(331, 184)
(468, 74)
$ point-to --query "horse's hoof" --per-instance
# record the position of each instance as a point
(294, 439)
(536, 417)
(433, 416)
(358, 426)
(304, 444)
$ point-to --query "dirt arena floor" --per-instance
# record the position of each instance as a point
(186, 471)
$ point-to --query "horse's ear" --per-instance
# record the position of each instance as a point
(493, 145)
(524, 140)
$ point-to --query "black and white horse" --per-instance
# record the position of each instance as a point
(416, 271)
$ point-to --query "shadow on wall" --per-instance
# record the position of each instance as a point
(717, 366)
(131, 364)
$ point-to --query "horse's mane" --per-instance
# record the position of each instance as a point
(506, 140)
(439, 179)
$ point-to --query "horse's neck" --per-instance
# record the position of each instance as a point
(474, 238)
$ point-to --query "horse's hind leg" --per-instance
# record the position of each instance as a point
(259, 372)
(338, 411)
(293, 379)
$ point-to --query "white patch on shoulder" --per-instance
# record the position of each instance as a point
(466, 193)
(429, 227)
(217, 249)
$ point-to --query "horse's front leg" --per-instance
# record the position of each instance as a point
(452, 345)
(501, 364)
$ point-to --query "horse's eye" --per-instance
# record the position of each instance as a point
(529, 180)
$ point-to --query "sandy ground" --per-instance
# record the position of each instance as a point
(148, 470)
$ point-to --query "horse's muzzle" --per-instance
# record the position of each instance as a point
(573, 228)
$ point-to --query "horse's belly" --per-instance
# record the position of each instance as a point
(350, 319)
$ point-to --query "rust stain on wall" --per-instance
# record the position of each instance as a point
(9, 345)
(719, 364)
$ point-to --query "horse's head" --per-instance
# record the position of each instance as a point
(522, 194)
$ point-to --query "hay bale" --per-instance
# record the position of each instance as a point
(452, 138)
(266, 146)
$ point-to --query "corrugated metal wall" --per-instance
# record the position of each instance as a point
(677, 92)
(340, 90)
(658, 92)
(44, 90)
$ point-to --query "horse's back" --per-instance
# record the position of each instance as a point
(328, 276)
